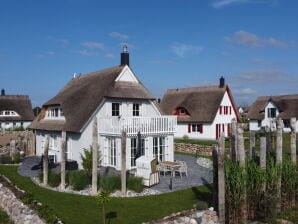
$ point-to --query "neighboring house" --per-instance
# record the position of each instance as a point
(15, 111)
(202, 112)
(243, 112)
(266, 109)
(119, 101)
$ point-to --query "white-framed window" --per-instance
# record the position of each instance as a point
(182, 111)
(159, 148)
(116, 109)
(271, 112)
(112, 151)
(5, 113)
(55, 113)
(133, 151)
(54, 142)
(136, 109)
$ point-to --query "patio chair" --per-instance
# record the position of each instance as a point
(182, 169)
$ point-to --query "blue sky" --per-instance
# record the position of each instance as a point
(172, 44)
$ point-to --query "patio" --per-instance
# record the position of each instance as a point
(197, 175)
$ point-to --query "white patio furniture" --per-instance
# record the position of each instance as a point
(182, 168)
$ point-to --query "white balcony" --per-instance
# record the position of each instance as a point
(133, 125)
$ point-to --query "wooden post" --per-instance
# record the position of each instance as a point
(268, 141)
(63, 159)
(94, 156)
(221, 180)
(123, 163)
(215, 177)
(293, 141)
(252, 142)
(46, 161)
(241, 151)
(279, 128)
(234, 143)
(263, 153)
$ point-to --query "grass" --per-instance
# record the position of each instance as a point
(4, 218)
(290, 214)
(121, 210)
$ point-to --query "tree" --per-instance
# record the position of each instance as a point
(36, 111)
(103, 198)
(87, 161)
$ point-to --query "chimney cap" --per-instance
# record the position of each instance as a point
(125, 49)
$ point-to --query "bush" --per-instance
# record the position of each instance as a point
(53, 178)
(201, 205)
(78, 179)
(135, 184)
(110, 183)
(15, 157)
(87, 161)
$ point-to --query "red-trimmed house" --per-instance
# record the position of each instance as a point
(202, 112)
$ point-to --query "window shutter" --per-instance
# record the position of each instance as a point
(230, 110)
(189, 128)
(220, 109)
(201, 128)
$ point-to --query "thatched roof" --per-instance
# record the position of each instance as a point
(201, 103)
(18, 103)
(286, 104)
(80, 98)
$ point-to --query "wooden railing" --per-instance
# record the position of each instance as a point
(133, 125)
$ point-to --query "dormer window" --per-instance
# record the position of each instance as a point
(6, 113)
(55, 113)
(182, 111)
(271, 112)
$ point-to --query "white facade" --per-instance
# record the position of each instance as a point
(113, 116)
(14, 124)
(271, 114)
(212, 130)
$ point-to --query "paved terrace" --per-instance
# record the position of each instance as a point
(197, 175)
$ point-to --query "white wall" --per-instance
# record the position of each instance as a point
(76, 143)
(14, 124)
(209, 129)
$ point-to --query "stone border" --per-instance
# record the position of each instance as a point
(194, 148)
(18, 212)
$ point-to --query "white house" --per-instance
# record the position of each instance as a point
(202, 112)
(15, 111)
(266, 109)
(119, 101)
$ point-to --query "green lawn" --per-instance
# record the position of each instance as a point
(84, 209)
(195, 141)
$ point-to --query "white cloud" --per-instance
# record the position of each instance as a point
(223, 3)
(263, 76)
(85, 52)
(242, 37)
(119, 36)
(62, 42)
(183, 50)
(50, 52)
(92, 45)
(218, 4)
(110, 55)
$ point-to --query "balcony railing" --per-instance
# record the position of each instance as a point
(133, 125)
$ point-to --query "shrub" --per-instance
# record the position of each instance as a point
(135, 184)
(47, 213)
(53, 178)
(110, 183)
(15, 157)
(201, 205)
(78, 179)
